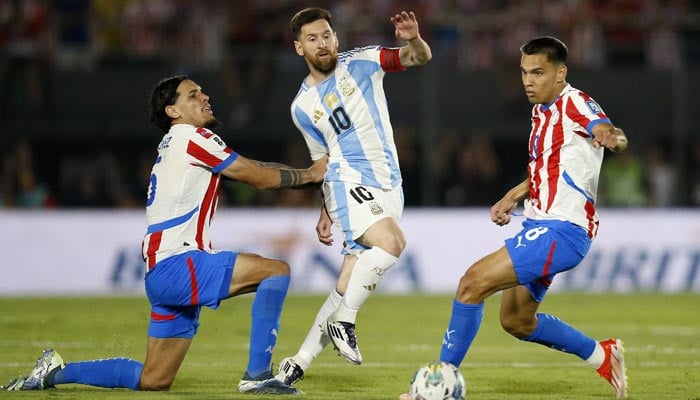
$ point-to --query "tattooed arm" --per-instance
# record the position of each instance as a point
(290, 177)
(271, 175)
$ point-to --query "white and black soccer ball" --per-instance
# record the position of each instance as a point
(438, 380)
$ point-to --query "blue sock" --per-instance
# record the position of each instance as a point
(464, 324)
(555, 333)
(107, 373)
(266, 310)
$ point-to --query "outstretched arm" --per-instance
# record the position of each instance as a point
(417, 51)
(261, 175)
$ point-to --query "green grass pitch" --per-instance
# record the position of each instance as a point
(397, 334)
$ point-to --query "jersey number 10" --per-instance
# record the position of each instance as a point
(340, 120)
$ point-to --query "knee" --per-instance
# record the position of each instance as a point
(280, 267)
(519, 326)
(394, 244)
(473, 288)
(155, 383)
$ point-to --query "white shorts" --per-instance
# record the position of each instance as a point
(354, 208)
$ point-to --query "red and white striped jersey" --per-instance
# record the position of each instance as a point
(564, 166)
(183, 192)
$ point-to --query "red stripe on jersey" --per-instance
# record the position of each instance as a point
(592, 225)
(204, 132)
(202, 155)
(194, 298)
(539, 158)
(153, 245)
(533, 156)
(575, 115)
(553, 160)
(390, 60)
(210, 198)
(213, 206)
(162, 317)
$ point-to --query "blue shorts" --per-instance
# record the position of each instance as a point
(180, 285)
(543, 249)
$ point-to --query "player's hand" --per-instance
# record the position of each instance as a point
(501, 211)
(318, 169)
(323, 228)
(610, 137)
(406, 25)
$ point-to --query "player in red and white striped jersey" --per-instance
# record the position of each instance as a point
(183, 272)
(569, 134)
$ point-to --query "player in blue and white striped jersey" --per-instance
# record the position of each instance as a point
(342, 111)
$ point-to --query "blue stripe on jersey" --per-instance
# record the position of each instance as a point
(349, 143)
(228, 161)
(333, 172)
(591, 124)
(161, 226)
(570, 182)
(368, 68)
(309, 127)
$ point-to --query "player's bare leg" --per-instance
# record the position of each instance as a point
(163, 360)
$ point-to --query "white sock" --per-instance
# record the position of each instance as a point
(315, 340)
(596, 359)
(368, 271)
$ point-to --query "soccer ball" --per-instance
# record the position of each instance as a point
(438, 380)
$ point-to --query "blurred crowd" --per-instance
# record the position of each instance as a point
(244, 39)
(467, 34)
(471, 170)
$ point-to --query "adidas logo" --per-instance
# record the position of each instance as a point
(334, 331)
(370, 287)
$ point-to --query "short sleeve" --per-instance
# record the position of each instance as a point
(207, 149)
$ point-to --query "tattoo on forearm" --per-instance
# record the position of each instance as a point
(290, 178)
(275, 165)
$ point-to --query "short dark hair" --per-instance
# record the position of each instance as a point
(553, 48)
(306, 16)
(163, 95)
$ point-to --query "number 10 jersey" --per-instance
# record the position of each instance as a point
(347, 117)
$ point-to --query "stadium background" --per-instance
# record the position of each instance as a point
(77, 147)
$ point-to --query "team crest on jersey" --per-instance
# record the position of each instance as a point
(594, 107)
(375, 208)
(346, 87)
(331, 100)
(318, 114)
